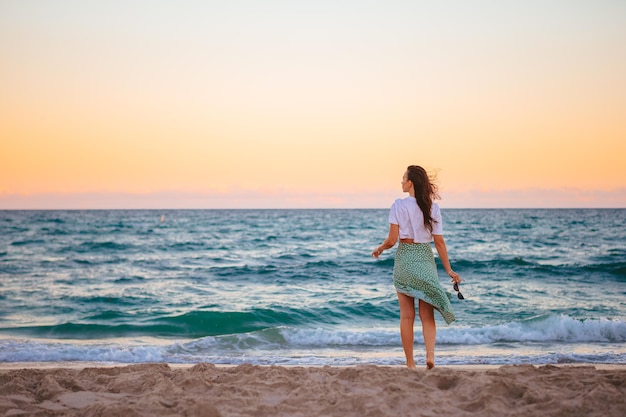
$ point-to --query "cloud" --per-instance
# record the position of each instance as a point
(520, 198)
(195, 200)
(536, 198)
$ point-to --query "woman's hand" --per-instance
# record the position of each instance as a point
(376, 252)
(456, 278)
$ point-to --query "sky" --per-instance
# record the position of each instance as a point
(311, 104)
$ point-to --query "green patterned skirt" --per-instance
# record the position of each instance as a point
(415, 274)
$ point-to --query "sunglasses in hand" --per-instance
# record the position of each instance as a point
(456, 288)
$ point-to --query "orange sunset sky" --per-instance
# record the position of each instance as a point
(271, 104)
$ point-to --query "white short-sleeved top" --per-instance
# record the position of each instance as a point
(408, 216)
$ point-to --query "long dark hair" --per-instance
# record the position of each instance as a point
(425, 192)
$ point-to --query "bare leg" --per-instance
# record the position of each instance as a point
(407, 319)
(429, 329)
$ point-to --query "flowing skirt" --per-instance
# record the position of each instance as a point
(415, 274)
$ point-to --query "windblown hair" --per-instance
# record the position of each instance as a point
(425, 192)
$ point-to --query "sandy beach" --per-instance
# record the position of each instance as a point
(250, 390)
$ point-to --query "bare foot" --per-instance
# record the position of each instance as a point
(430, 360)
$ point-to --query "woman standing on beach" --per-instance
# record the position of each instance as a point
(416, 220)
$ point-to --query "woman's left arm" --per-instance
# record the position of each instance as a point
(392, 238)
(440, 245)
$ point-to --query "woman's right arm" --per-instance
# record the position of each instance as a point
(392, 238)
(440, 245)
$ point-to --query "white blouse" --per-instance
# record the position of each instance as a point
(407, 215)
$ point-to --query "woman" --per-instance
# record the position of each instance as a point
(416, 220)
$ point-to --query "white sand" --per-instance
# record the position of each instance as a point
(79, 389)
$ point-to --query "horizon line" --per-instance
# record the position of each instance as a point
(299, 208)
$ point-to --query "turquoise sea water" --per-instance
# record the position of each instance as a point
(300, 287)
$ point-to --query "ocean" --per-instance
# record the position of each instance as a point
(299, 287)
